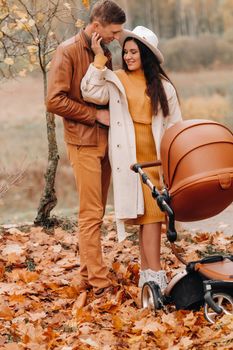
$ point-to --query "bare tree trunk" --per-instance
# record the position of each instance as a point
(48, 199)
(127, 8)
(156, 18)
(181, 18)
(204, 20)
(148, 13)
(178, 18)
(192, 21)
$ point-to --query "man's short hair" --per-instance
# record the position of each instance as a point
(107, 12)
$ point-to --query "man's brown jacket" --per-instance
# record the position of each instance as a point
(69, 64)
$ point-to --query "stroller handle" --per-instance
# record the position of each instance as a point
(135, 167)
(162, 198)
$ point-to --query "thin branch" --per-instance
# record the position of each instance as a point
(11, 180)
(31, 16)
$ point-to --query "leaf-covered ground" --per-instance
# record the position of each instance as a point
(40, 307)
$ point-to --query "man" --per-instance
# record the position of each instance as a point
(86, 135)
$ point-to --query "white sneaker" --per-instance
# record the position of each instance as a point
(158, 277)
(142, 278)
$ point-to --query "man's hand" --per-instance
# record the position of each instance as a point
(95, 43)
(103, 116)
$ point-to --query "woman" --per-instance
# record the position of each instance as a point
(143, 104)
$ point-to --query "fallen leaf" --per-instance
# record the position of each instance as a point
(79, 303)
(28, 276)
(5, 312)
(36, 315)
(12, 248)
(2, 270)
(89, 341)
(12, 346)
(117, 323)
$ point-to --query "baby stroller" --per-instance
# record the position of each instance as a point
(197, 167)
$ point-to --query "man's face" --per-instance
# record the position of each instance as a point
(108, 32)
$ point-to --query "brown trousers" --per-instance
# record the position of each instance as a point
(92, 174)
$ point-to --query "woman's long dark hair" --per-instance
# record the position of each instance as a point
(153, 74)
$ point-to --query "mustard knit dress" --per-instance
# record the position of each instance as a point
(141, 112)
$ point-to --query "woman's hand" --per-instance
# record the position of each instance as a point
(95, 44)
(103, 116)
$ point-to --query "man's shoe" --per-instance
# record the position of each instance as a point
(99, 293)
(83, 286)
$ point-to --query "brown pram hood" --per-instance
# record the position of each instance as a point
(197, 162)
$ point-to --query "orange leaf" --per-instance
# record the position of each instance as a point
(6, 313)
(79, 303)
(12, 346)
(52, 285)
(86, 3)
(186, 343)
(134, 268)
(117, 322)
(67, 292)
(2, 270)
(201, 237)
(26, 338)
(15, 298)
(50, 334)
(14, 258)
(135, 339)
(83, 315)
(116, 265)
(28, 276)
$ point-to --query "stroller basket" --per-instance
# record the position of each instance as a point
(197, 162)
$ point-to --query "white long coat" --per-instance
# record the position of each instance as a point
(103, 86)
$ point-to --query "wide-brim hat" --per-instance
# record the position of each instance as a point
(146, 36)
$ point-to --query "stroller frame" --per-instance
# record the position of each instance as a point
(201, 283)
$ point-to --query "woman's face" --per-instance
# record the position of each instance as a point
(131, 55)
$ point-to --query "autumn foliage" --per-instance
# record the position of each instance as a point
(29, 37)
(40, 307)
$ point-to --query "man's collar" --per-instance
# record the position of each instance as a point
(87, 38)
(87, 42)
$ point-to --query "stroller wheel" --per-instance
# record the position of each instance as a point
(151, 296)
(224, 301)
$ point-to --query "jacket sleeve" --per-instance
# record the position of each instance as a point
(174, 107)
(94, 86)
(59, 84)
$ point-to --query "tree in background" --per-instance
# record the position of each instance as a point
(227, 16)
(30, 31)
(171, 18)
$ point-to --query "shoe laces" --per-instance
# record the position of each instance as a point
(142, 278)
(158, 277)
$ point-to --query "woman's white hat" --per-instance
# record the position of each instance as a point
(146, 36)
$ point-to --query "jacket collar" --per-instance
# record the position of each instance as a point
(84, 39)
(86, 42)
(87, 39)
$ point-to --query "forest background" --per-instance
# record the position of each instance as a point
(196, 38)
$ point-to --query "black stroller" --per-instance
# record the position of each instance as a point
(197, 163)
